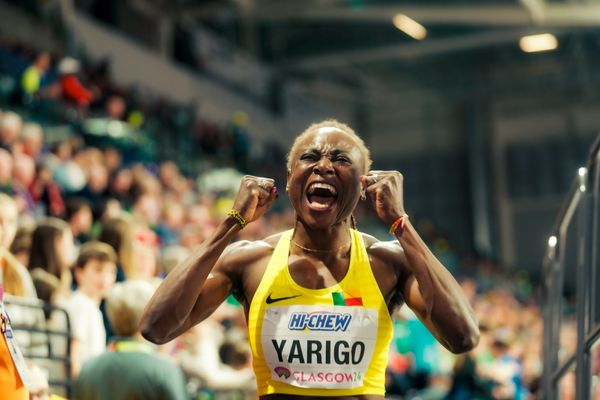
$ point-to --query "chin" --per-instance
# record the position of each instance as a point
(320, 219)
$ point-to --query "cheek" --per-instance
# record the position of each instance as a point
(69, 252)
(109, 278)
(296, 195)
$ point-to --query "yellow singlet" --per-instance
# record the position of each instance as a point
(324, 342)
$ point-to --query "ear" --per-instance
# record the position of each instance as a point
(288, 174)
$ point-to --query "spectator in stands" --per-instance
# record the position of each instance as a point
(146, 260)
(95, 271)
(200, 215)
(46, 192)
(119, 233)
(111, 208)
(21, 245)
(15, 276)
(147, 209)
(112, 159)
(79, 218)
(67, 173)
(31, 81)
(10, 128)
(173, 220)
(116, 108)
(191, 236)
(168, 173)
(6, 168)
(72, 88)
(171, 256)
(121, 185)
(53, 251)
(23, 178)
(95, 191)
(131, 368)
(199, 358)
(17, 281)
(466, 384)
(10, 381)
(32, 140)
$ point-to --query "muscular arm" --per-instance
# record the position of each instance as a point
(186, 296)
(435, 296)
(427, 287)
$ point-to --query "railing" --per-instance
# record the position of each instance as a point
(43, 351)
(572, 292)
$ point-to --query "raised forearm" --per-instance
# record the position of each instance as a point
(447, 309)
(171, 306)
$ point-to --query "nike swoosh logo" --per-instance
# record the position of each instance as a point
(271, 300)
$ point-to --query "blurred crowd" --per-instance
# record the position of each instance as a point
(53, 88)
(90, 230)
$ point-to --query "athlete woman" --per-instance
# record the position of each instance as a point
(317, 298)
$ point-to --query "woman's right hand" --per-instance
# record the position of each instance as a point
(255, 196)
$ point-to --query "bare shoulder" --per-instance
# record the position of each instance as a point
(388, 251)
(388, 265)
(245, 252)
(244, 262)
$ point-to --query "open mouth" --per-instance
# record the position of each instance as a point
(321, 196)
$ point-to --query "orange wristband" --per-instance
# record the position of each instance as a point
(398, 223)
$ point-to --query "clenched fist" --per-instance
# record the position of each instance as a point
(385, 189)
(254, 197)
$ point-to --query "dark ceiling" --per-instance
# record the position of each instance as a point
(341, 39)
(471, 45)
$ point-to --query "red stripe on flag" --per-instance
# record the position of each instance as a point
(353, 301)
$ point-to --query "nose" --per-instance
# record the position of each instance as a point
(323, 167)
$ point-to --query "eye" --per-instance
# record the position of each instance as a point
(342, 159)
(308, 157)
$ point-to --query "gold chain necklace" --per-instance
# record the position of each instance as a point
(319, 250)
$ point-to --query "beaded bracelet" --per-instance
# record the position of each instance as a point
(399, 223)
(238, 217)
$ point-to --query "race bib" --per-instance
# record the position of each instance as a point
(321, 347)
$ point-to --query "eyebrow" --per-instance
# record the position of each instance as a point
(335, 152)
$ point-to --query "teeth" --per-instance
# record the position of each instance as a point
(319, 205)
(321, 185)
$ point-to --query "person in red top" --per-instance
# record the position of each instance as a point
(11, 385)
(72, 88)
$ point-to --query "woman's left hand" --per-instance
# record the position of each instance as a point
(385, 189)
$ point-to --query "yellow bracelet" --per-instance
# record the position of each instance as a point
(238, 217)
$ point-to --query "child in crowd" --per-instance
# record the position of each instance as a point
(131, 368)
(95, 272)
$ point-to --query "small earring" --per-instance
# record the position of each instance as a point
(363, 196)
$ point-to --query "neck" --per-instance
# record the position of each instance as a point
(334, 239)
(96, 299)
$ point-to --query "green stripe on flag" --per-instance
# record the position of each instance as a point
(338, 299)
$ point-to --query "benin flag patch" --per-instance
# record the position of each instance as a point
(344, 299)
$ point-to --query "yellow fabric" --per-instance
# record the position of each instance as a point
(30, 82)
(359, 283)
